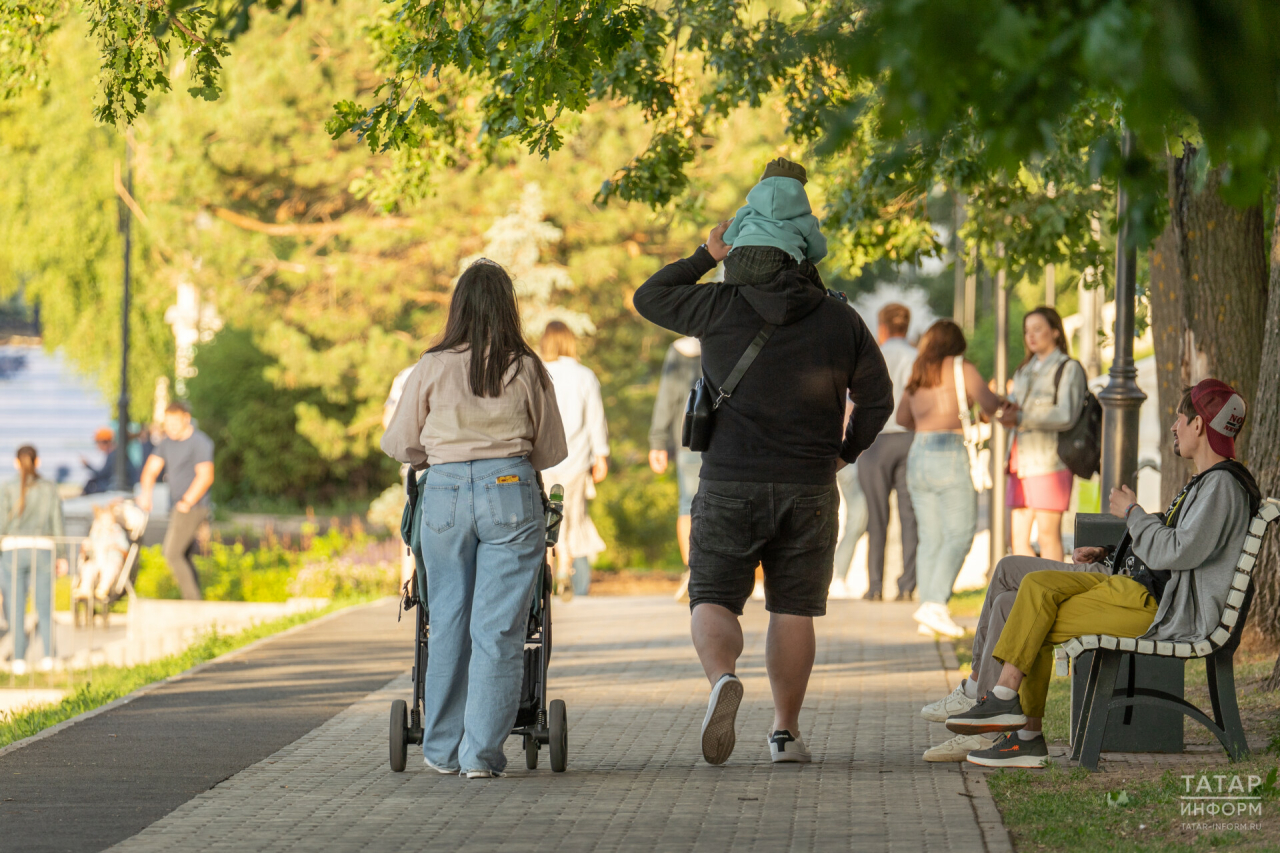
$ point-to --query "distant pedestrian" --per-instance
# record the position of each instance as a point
(587, 437)
(29, 507)
(1049, 388)
(680, 369)
(185, 455)
(408, 563)
(103, 478)
(480, 410)
(883, 467)
(855, 513)
(939, 466)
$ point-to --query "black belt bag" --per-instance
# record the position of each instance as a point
(700, 408)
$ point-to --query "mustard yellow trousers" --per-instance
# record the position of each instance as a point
(1053, 607)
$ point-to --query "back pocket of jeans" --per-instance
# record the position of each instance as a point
(813, 522)
(509, 503)
(722, 525)
(439, 503)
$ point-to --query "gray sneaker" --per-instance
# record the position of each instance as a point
(990, 714)
(1013, 751)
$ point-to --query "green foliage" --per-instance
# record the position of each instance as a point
(107, 683)
(635, 513)
(25, 27)
(331, 566)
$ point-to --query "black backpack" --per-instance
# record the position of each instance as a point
(1080, 445)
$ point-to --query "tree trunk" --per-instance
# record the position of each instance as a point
(1222, 261)
(1264, 454)
(1165, 295)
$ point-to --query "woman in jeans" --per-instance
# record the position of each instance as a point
(29, 507)
(480, 410)
(1039, 481)
(938, 468)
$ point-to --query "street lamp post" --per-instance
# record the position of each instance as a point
(999, 437)
(1122, 398)
(122, 405)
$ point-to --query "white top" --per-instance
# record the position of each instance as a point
(582, 413)
(899, 357)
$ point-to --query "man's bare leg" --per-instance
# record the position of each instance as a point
(717, 637)
(789, 651)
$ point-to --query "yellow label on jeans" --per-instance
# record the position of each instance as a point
(509, 479)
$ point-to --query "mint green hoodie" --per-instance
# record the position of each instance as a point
(777, 214)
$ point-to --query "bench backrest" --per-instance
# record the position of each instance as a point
(1240, 597)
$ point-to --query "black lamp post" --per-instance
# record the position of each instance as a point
(1122, 398)
(122, 415)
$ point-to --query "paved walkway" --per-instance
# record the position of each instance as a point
(636, 698)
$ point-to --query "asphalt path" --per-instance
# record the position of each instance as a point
(106, 778)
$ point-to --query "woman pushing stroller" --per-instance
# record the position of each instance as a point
(480, 410)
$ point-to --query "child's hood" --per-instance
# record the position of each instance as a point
(779, 198)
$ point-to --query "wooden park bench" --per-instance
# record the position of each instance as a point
(1218, 651)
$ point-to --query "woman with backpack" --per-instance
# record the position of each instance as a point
(479, 409)
(1049, 388)
(29, 507)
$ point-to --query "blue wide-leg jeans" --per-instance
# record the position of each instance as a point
(947, 506)
(484, 542)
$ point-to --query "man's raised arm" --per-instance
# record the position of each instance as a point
(669, 299)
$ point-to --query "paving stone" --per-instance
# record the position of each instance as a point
(636, 697)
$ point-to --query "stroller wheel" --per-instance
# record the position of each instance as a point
(559, 724)
(399, 728)
(531, 752)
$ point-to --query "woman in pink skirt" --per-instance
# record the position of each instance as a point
(1049, 402)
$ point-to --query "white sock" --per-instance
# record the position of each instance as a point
(1004, 693)
(970, 689)
(1024, 734)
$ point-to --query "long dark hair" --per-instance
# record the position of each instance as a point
(484, 319)
(944, 338)
(27, 457)
(1054, 319)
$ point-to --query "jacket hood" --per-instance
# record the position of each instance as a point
(779, 198)
(788, 298)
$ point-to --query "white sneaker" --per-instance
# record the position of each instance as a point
(483, 774)
(933, 614)
(955, 702)
(959, 747)
(441, 770)
(19, 667)
(45, 665)
(784, 747)
(718, 735)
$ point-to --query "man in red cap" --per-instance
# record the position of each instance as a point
(103, 479)
(1147, 589)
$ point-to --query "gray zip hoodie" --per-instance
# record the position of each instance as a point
(1200, 552)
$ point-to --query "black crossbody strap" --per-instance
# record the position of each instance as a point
(740, 369)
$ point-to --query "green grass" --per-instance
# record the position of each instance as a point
(104, 684)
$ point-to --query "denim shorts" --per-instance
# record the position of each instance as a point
(789, 528)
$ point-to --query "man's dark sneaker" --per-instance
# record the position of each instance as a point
(903, 596)
(991, 714)
(1013, 751)
(718, 735)
(872, 595)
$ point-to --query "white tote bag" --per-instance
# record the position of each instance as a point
(979, 457)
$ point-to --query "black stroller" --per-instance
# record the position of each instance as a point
(537, 722)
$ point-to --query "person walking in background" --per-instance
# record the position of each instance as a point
(480, 410)
(185, 455)
(408, 563)
(1048, 389)
(29, 506)
(939, 468)
(855, 515)
(587, 438)
(883, 467)
(680, 369)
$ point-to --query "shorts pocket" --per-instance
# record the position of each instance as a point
(722, 525)
(439, 503)
(813, 522)
(509, 504)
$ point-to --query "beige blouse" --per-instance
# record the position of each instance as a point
(439, 420)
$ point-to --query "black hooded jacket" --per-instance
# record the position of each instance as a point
(782, 424)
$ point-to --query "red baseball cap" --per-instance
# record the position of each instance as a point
(1222, 410)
